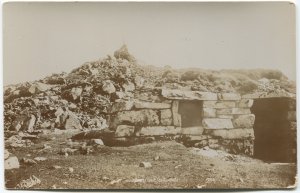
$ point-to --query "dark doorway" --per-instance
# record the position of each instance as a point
(191, 113)
(273, 140)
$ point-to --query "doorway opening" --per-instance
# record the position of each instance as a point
(191, 113)
(273, 139)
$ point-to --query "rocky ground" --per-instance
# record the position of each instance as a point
(39, 118)
(55, 161)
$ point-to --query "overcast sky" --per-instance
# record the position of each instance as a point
(45, 38)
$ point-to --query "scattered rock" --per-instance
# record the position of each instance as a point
(108, 87)
(55, 167)
(11, 162)
(145, 165)
(29, 183)
(39, 159)
(96, 142)
(71, 170)
(28, 161)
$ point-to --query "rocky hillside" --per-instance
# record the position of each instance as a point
(82, 99)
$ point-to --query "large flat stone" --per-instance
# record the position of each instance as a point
(233, 111)
(188, 95)
(166, 117)
(229, 96)
(143, 117)
(150, 105)
(216, 123)
(159, 130)
(124, 131)
(219, 104)
(198, 130)
(209, 112)
(121, 106)
(232, 133)
(244, 121)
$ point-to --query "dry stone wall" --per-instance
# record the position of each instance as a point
(227, 122)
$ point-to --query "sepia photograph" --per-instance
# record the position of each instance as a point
(149, 95)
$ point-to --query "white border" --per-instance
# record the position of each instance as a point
(2, 184)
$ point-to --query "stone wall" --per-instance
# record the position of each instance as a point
(226, 120)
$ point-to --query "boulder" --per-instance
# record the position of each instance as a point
(108, 87)
(11, 162)
(96, 142)
(76, 92)
(139, 81)
(150, 105)
(72, 122)
(217, 123)
(159, 130)
(244, 121)
(166, 117)
(232, 133)
(141, 117)
(124, 131)
(128, 86)
(121, 106)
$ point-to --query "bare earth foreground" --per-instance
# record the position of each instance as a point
(173, 166)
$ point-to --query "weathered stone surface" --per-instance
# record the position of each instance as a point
(31, 123)
(219, 104)
(128, 86)
(124, 131)
(229, 96)
(139, 81)
(209, 112)
(142, 118)
(6, 154)
(72, 122)
(149, 105)
(292, 116)
(245, 103)
(23, 122)
(233, 111)
(159, 130)
(121, 106)
(108, 87)
(96, 142)
(268, 95)
(216, 123)
(38, 87)
(11, 163)
(244, 121)
(225, 116)
(188, 95)
(176, 115)
(232, 133)
(166, 117)
(76, 92)
(192, 130)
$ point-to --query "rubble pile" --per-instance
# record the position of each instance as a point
(99, 94)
